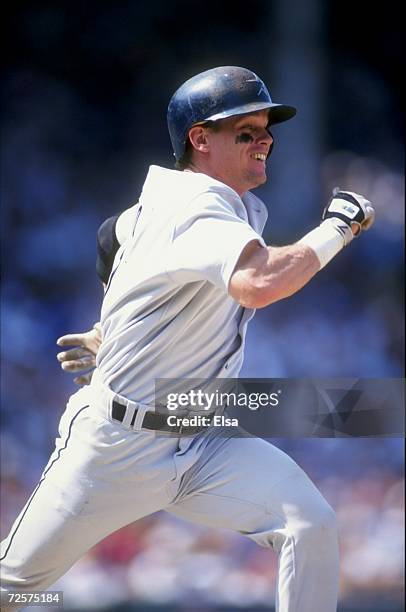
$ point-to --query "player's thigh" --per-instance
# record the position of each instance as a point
(82, 497)
(47, 536)
(249, 485)
(59, 522)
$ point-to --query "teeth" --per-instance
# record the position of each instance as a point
(260, 156)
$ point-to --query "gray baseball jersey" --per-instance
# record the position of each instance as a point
(166, 312)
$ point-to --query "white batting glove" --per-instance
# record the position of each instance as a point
(82, 358)
(349, 213)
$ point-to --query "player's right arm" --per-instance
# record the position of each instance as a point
(80, 359)
(264, 275)
(110, 236)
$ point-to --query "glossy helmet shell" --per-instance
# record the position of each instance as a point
(216, 94)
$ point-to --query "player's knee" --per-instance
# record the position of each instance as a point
(14, 592)
(320, 533)
(19, 578)
(326, 517)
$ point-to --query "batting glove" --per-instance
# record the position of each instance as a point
(347, 210)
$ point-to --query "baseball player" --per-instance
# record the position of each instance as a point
(188, 274)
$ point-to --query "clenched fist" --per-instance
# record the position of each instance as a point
(350, 213)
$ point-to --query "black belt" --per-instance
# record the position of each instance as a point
(155, 421)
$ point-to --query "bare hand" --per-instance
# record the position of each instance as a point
(82, 357)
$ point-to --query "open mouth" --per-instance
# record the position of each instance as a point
(259, 156)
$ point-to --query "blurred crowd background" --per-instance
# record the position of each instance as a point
(85, 92)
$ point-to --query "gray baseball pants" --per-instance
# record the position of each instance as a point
(104, 475)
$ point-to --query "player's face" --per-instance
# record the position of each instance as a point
(238, 150)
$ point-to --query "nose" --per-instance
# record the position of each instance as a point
(266, 139)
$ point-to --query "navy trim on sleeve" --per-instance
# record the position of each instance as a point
(107, 247)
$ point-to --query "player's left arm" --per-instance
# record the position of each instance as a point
(263, 276)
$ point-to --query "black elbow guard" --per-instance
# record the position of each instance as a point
(107, 247)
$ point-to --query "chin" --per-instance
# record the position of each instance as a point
(252, 179)
(258, 180)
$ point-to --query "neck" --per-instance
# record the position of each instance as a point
(196, 166)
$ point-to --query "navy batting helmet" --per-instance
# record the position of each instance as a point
(216, 94)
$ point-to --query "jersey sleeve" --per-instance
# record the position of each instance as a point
(110, 236)
(125, 223)
(208, 240)
(107, 247)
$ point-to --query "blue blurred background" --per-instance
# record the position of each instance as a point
(84, 114)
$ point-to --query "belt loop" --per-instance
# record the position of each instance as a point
(109, 398)
(139, 418)
(129, 413)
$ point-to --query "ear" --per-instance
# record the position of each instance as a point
(198, 138)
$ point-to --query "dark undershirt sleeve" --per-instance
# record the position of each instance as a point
(107, 247)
